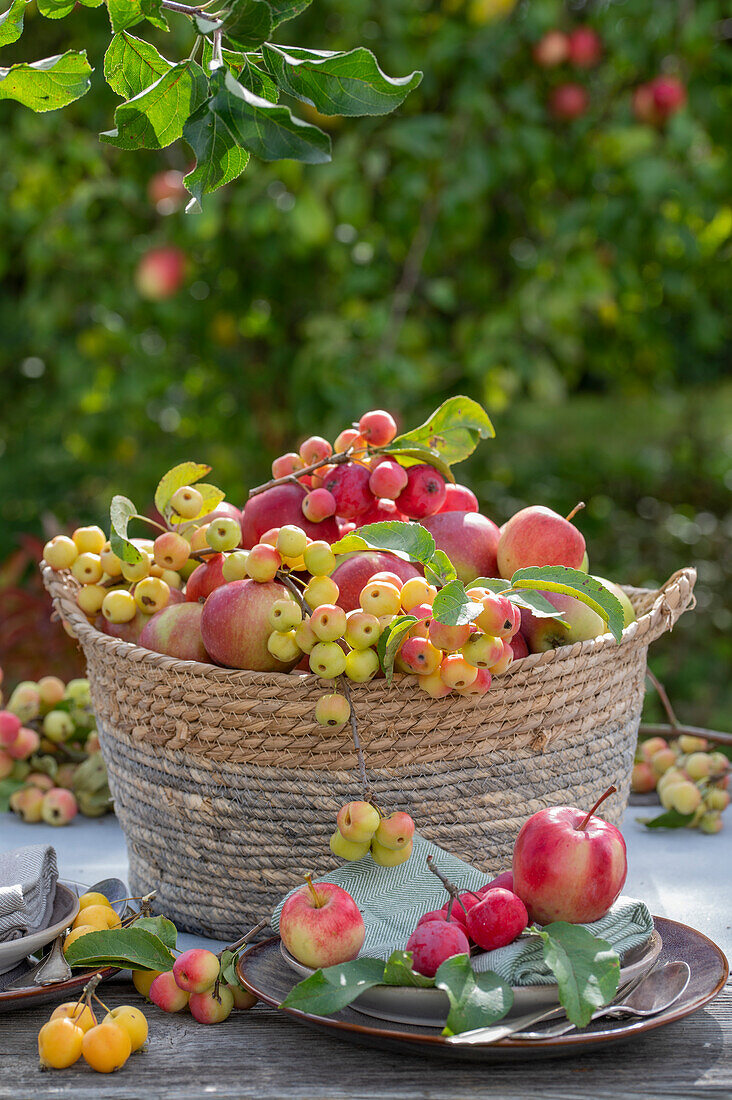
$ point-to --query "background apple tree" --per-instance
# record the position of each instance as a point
(562, 257)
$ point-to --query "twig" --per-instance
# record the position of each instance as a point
(366, 789)
(246, 937)
(689, 731)
(665, 701)
(331, 460)
(218, 57)
(184, 9)
(449, 886)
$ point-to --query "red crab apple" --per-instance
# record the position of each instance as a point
(160, 273)
(176, 631)
(276, 507)
(349, 484)
(669, 95)
(504, 880)
(379, 511)
(585, 47)
(538, 536)
(433, 942)
(568, 101)
(205, 578)
(569, 865)
(356, 570)
(441, 914)
(470, 541)
(424, 493)
(320, 925)
(167, 192)
(235, 625)
(498, 918)
(458, 498)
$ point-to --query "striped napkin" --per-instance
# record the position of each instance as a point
(27, 890)
(392, 899)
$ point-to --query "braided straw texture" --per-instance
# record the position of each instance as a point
(227, 789)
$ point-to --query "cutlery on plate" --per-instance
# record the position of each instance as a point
(483, 1035)
(656, 992)
(48, 971)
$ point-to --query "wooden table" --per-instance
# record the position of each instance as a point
(264, 1054)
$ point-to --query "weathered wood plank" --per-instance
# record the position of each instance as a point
(263, 1054)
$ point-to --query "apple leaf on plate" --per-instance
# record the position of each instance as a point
(129, 948)
(121, 511)
(670, 819)
(453, 430)
(333, 987)
(390, 640)
(573, 582)
(586, 967)
(398, 971)
(476, 1000)
(453, 606)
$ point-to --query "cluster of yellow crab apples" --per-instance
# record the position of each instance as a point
(361, 829)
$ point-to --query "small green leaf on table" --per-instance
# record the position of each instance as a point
(398, 971)
(131, 65)
(391, 639)
(186, 473)
(573, 582)
(328, 990)
(248, 23)
(408, 539)
(453, 606)
(453, 430)
(670, 819)
(161, 927)
(155, 117)
(133, 948)
(476, 1000)
(48, 84)
(11, 23)
(586, 967)
(265, 129)
(121, 511)
(342, 83)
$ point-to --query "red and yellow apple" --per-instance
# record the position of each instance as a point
(469, 539)
(235, 625)
(321, 925)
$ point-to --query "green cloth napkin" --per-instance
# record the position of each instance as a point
(392, 899)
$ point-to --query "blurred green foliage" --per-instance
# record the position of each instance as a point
(574, 277)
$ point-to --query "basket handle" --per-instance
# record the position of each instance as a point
(674, 598)
(62, 589)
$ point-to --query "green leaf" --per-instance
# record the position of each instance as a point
(342, 83)
(268, 131)
(670, 819)
(410, 539)
(327, 991)
(537, 604)
(391, 639)
(121, 511)
(414, 456)
(282, 10)
(185, 473)
(476, 1000)
(204, 25)
(398, 971)
(257, 80)
(131, 65)
(11, 23)
(453, 430)
(133, 948)
(453, 606)
(56, 9)
(124, 14)
(219, 158)
(495, 584)
(440, 569)
(248, 23)
(48, 84)
(573, 582)
(161, 927)
(155, 117)
(212, 497)
(8, 787)
(586, 967)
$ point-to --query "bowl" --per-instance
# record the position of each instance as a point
(65, 908)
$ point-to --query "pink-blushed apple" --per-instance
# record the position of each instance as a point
(379, 512)
(355, 571)
(433, 942)
(568, 101)
(160, 273)
(196, 970)
(205, 578)
(126, 632)
(568, 864)
(504, 880)
(441, 914)
(458, 498)
(469, 539)
(585, 47)
(167, 192)
(321, 925)
(278, 506)
(176, 631)
(235, 625)
(580, 624)
(551, 50)
(349, 484)
(538, 536)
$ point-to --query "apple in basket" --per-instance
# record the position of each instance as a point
(569, 865)
(321, 925)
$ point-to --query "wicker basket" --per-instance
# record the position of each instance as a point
(227, 790)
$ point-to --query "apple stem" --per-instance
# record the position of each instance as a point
(611, 790)
(577, 508)
(363, 779)
(331, 460)
(246, 937)
(449, 886)
(313, 892)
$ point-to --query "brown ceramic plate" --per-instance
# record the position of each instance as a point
(263, 971)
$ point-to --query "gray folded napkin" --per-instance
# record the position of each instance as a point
(28, 879)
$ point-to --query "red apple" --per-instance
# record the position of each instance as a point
(568, 101)
(585, 47)
(551, 50)
(320, 925)
(458, 498)
(379, 511)
(498, 918)
(424, 493)
(519, 646)
(568, 864)
(353, 572)
(176, 631)
(126, 632)
(669, 95)
(224, 510)
(235, 625)
(160, 273)
(276, 507)
(205, 578)
(470, 541)
(167, 191)
(538, 536)
(504, 880)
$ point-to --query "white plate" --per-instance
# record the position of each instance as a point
(65, 908)
(429, 1007)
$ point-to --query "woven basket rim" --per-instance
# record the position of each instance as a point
(673, 597)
